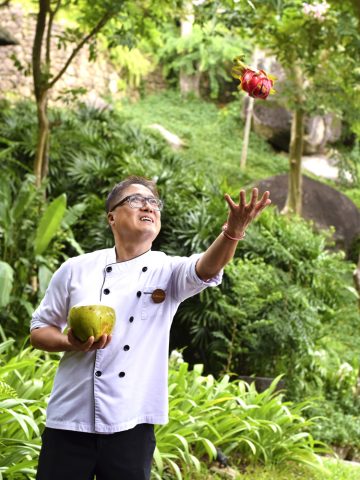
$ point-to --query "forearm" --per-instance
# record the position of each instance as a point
(50, 339)
(219, 254)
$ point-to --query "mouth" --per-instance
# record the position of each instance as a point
(146, 218)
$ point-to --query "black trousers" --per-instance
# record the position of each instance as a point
(82, 456)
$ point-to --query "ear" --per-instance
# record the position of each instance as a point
(111, 219)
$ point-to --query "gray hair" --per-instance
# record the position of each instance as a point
(117, 192)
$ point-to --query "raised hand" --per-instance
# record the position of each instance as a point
(242, 214)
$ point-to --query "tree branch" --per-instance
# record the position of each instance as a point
(93, 32)
(5, 4)
(52, 14)
(44, 6)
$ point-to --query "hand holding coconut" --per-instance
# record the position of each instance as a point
(90, 343)
(90, 327)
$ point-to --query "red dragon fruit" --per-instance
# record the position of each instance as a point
(256, 83)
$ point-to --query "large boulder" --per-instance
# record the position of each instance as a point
(324, 205)
(273, 122)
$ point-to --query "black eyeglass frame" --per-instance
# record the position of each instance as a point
(145, 200)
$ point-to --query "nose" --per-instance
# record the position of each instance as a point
(147, 206)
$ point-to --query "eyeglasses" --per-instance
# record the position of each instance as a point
(138, 201)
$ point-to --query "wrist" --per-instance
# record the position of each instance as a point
(67, 345)
(235, 237)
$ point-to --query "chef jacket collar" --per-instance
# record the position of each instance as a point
(139, 261)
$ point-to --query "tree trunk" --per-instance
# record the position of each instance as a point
(248, 117)
(294, 197)
(44, 81)
(247, 129)
(40, 90)
(42, 149)
(188, 83)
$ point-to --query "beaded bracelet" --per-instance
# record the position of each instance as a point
(224, 228)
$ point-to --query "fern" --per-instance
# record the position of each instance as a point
(6, 391)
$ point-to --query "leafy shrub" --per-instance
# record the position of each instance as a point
(27, 248)
(337, 428)
(280, 296)
(26, 378)
(285, 297)
(250, 427)
(209, 51)
(205, 414)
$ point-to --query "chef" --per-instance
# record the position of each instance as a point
(109, 394)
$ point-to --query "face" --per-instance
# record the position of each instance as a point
(128, 223)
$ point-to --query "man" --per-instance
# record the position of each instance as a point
(108, 394)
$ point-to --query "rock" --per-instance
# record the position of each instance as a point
(221, 458)
(92, 76)
(6, 38)
(320, 131)
(322, 166)
(173, 140)
(226, 473)
(93, 101)
(322, 204)
(272, 122)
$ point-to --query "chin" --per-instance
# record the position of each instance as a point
(149, 233)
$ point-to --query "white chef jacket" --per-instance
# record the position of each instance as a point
(116, 388)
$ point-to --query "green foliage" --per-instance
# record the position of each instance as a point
(337, 470)
(107, 147)
(6, 283)
(17, 138)
(26, 378)
(337, 428)
(283, 286)
(320, 46)
(252, 427)
(205, 414)
(27, 226)
(49, 223)
(209, 50)
(283, 301)
(213, 137)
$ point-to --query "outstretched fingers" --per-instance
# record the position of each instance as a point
(264, 202)
(254, 197)
(230, 201)
(232, 204)
(242, 199)
(254, 205)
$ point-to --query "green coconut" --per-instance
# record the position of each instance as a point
(91, 320)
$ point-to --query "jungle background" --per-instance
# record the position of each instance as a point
(264, 370)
